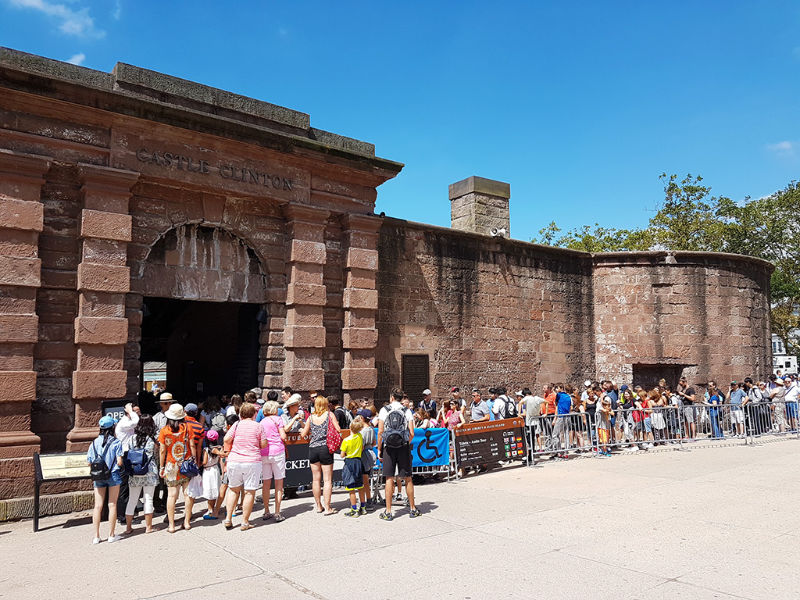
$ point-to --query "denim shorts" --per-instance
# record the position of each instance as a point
(116, 479)
(791, 410)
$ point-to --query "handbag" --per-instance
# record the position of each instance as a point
(98, 469)
(334, 438)
(189, 468)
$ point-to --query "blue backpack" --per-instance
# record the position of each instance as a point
(138, 461)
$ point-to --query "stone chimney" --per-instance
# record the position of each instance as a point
(480, 205)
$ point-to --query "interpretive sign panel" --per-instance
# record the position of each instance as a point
(490, 441)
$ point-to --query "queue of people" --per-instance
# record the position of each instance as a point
(224, 453)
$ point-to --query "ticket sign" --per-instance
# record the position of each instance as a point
(298, 467)
(62, 466)
(490, 441)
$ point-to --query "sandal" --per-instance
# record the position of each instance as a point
(330, 512)
(228, 525)
(279, 517)
(245, 527)
(266, 517)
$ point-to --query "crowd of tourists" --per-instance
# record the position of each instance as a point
(225, 451)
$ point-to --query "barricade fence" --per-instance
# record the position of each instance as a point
(600, 432)
(438, 452)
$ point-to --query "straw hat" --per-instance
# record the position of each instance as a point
(176, 412)
(292, 401)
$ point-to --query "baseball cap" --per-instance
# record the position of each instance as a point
(454, 389)
(191, 407)
(426, 392)
(212, 435)
(106, 422)
(260, 401)
(518, 393)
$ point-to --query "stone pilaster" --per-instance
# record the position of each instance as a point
(360, 303)
(304, 333)
(21, 221)
(101, 328)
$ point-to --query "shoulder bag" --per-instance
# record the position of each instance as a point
(334, 438)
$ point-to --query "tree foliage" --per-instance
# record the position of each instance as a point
(690, 218)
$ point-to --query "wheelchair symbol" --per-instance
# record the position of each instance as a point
(428, 445)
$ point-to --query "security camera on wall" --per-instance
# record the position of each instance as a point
(501, 232)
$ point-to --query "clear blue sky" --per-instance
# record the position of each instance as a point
(578, 105)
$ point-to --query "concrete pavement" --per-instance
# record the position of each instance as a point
(706, 523)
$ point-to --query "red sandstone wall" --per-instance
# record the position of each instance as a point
(706, 314)
(487, 311)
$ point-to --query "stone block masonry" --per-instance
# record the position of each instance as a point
(125, 188)
(21, 221)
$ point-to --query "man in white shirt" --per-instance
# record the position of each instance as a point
(160, 418)
(394, 450)
(124, 432)
(790, 397)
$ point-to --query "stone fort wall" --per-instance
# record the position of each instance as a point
(488, 311)
(116, 187)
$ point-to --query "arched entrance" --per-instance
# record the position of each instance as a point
(204, 296)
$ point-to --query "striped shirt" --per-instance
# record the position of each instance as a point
(196, 433)
(246, 435)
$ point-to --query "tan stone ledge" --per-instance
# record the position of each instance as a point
(24, 272)
(106, 225)
(17, 386)
(19, 328)
(25, 215)
(106, 331)
(99, 384)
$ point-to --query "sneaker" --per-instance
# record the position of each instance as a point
(398, 497)
(96, 541)
(386, 516)
(352, 513)
(114, 538)
(414, 513)
(362, 510)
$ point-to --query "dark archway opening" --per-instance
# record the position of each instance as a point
(210, 348)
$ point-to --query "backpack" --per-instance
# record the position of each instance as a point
(510, 409)
(218, 423)
(98, 469)
(138, 461)
(395, 429)
(343, 417)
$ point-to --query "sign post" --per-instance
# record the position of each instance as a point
(66, 466)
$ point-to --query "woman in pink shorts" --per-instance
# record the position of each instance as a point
(273, 458)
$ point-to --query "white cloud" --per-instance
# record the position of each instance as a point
(117, 13)
(77, 59)
(72, 22)
(784, 148)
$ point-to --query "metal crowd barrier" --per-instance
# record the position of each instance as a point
(771, 419)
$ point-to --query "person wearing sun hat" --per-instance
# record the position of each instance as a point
(292, 417)
(109, 448)
(174, 447)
